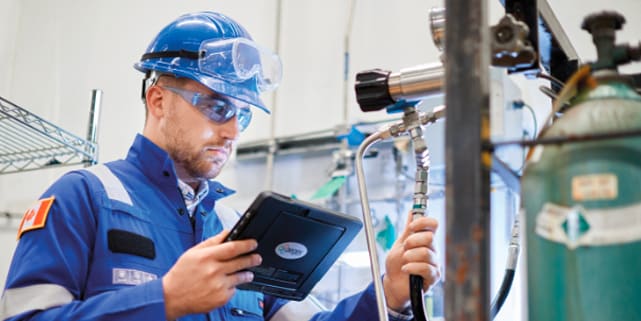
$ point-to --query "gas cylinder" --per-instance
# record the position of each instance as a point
(582, 198)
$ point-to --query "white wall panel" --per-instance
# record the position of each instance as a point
(312, 52)
(9, 12)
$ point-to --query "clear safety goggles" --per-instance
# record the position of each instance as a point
(238, 60)
(218, 109)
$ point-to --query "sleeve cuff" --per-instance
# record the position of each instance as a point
(404, 315)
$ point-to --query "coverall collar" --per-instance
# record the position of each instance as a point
(156, 165)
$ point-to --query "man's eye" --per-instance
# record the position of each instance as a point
(214, 104)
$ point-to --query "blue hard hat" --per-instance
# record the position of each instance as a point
(217, 52)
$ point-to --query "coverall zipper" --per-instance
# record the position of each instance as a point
(241, 313)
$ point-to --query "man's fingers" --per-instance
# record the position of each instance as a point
(424, 223)
(242, 263)
(421, 254)
(429, 272)
(224, 251)
(214, 240)
(240, 278)
(420, 239)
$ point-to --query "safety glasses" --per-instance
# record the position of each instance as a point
(239, 60)
(218, 109)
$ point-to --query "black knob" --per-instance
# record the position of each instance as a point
(372, 90)
(603, 20)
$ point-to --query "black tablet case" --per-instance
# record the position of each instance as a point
(281, 225)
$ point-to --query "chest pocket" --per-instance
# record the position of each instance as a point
(246, 305)
(125, 250)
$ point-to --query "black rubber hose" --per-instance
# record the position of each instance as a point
(418, 304)
(416, 297)
(500, 297)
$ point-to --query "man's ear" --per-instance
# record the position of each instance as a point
(154, 97)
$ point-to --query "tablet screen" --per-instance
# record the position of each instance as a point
(298, 242)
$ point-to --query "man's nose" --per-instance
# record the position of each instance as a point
(229, 130)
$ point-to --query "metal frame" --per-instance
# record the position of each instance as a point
(547, 36)
(564, 60)
(314, 141)
(29, 142)
(328, 139)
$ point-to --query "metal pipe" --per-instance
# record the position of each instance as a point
(416, 83)
(269, 164)
(411, 124)
(370, 234)
(437, 26)
(346, 57)
(94, 117)
(560, 140)
(271, 154)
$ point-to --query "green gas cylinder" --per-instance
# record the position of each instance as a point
(582, 200)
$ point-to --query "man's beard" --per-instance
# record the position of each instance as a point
(197, 164)
(192, 159)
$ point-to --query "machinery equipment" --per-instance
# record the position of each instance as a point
(581, 198)
(607, 135)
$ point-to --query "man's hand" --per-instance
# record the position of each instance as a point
(205, 277)
(412, 253)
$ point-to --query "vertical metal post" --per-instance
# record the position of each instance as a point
(467, 51)
(94, 117)
(272, 144)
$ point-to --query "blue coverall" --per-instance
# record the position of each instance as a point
(104, 249)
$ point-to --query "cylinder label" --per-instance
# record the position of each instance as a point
(578, 226)
(595, 187)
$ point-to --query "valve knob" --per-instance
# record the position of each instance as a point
(372, 90)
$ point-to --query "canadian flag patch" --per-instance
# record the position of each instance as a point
(36, 216)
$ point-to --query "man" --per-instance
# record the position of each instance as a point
(142, 238)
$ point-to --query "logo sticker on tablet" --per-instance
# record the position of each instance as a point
(291, 250)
